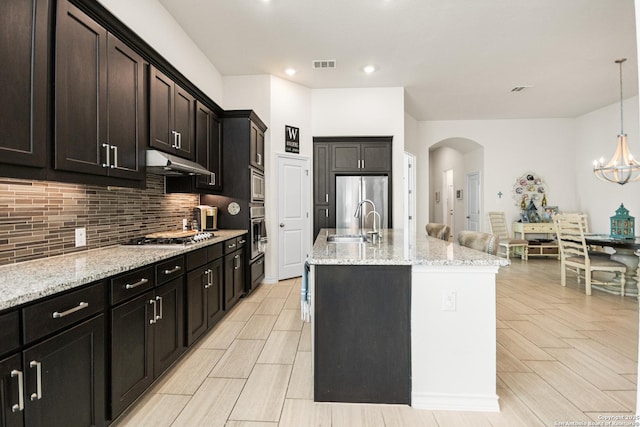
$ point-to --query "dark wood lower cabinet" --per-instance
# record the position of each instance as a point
(146, 338)
(233, 277)
(362, 334)
(69, 367)
(9, 392)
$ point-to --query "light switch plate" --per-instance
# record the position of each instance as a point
(449, 300)
(81, 237)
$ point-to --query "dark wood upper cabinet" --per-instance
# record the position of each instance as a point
(209, 148)
(24, 26)
(257, 147)
(172, 116)
(361, 157)
(100, 119)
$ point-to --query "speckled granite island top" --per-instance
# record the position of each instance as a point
(28, 281)
(396, 248)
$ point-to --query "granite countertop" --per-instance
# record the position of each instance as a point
(30, 280)
(396, 248)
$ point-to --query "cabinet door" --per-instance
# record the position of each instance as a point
(161, 111)
(323, 217)
(169, 326)
(321, 173)
(65, 378)
(127, 112)
(9, 390)
(131, 351)
(23, 81)
(239, 273)
(376, 157)
(208, 148)
(229, 288)
(80, 92)
(184, 122)
(345, 157)
(215, 299)
(256, 147)
(197, 291)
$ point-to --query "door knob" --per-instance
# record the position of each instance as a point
(281, 224)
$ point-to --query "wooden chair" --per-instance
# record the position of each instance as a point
(574, 254)
(499, 227)
(439, 231)
(483, 242)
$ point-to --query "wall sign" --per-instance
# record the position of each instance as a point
(291, 139)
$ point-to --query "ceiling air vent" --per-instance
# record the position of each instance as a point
(521, 88)
(322, 64)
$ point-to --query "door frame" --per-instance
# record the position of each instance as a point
(307, 228)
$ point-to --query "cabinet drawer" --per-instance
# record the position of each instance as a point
(196, 258)
(539, 228)
(61, 311)
(230, 245)
(131, 284)
(214, 251)
(257, 272)
(9, 332)
(241, 241)
(170, 269)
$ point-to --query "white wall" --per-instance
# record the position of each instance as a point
(365, 112)
(512, 147)
(151, 21)
(596, 136)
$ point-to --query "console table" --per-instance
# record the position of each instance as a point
(549, 249)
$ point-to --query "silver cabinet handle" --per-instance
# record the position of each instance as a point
(259, 158)
(20, 405)
(231, 246)
(237, 257)
(358, 164)
(326, 213)
(175, 139)
(38, 394)
(115, 157)
(326, 198)
(173, 270)
(260, 262)
(179, 140)
(159, 317)
(155, 313)
(362, 163)
(208, 274)
(108, 154)
(138, 283)
(58, 315)
(212, 179)
(242, 242)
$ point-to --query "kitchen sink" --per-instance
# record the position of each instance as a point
(346, 238)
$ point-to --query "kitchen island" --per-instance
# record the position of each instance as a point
(409, 320)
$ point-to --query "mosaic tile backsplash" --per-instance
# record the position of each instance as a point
(38, 218)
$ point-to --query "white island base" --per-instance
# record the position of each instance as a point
(453, 338)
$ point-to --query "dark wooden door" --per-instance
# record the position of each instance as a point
(239, 272)
(323, 217)
(126, 132)
(232, 269)
(215, 299)
(184, 122)
(345, 157)
(24, 81)
(9, 391)
(169, 326)
(161, 111)
(322, 172)
(376, 157)
(208, 148)
(197, 292)
(80, 92)
(131, 351)
(256, 147)
(70, 368)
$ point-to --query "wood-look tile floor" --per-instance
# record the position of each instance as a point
(561, 356)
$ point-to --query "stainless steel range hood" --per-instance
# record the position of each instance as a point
(167, 164)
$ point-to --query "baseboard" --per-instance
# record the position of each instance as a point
(455, 402)
(269, 280)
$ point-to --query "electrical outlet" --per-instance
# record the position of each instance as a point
(81, 237)
(449, 300)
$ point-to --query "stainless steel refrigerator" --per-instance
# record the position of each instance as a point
(351, 190)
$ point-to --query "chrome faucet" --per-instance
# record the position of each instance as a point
(358, 212)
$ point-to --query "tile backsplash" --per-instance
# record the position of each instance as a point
(38, 218)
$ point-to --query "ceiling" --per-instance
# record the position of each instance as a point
(456, 59)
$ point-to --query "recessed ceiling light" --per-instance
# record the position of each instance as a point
(290, 71)
(369, 69)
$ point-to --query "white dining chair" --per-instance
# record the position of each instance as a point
(498, 224)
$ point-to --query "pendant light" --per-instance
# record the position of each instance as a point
(622, 167)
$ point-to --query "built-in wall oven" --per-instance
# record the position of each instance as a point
(257, 231)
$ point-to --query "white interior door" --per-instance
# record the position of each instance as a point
(473, 201)
(293, 215)
(448, 206)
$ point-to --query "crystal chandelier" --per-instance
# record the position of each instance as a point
(622, 167)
